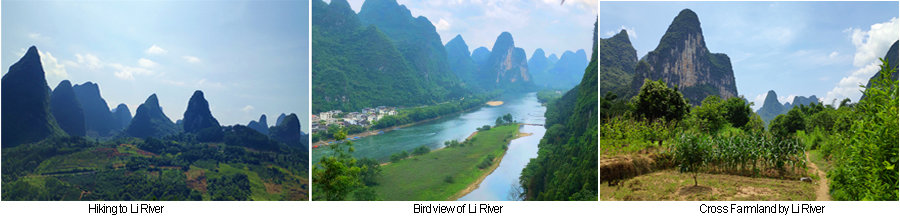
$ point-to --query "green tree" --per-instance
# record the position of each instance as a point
(370, 171)
(508, 118)
(655, 100)
(755, 124)
(336, 176)
(691, 152)
(867, 169)
(785, 125)
(737, 111)
(709, 115)
(421, 150)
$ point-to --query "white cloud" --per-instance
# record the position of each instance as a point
(54, 70)
(786, 99)
(126, 75)
(870, 45)
(203, 83)
(758, 101)
(247, 108)
(191, 59)
(37, 36)
(156, 50)
(128, 72)
(442, 24)
(848, 87)
(90, 61)
(833, 54)
(147, 63)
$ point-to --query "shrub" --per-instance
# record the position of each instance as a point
(421, 150)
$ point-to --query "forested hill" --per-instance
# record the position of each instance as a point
(417, 40)
(356, 66)
(26, 102)
(462, 64)
(617, 61)
(566, 166)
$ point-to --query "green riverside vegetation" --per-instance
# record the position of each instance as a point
(425, 176)
(418, 174)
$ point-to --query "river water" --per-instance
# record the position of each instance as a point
(523, 107)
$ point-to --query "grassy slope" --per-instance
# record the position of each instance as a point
(103, 158)
(668, 185)
(423, 177)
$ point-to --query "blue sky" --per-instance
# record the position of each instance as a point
(544, 24)
(248, 58)
(795, 48)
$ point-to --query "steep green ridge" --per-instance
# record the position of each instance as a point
(682, 59)
(150, 121)
(26, 102)
(66, 109)
(280, 119)
(461, 63)
(552, 58)
(261, 126)
(122, 115)
(539, 66)
(288, 131)
(98, 118)
(567, 71)
(197, 116)
(566, 166)
(418, 41)
(563, 73)
(617, 61)
(356, 66)
(480, 55)
(771, 108)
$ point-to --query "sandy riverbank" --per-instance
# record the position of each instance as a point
(494, 103)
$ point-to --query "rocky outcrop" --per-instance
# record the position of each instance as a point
(66, 109)
(98, 119)
(507, 67)
(26, 102)
(197, 116)
(122, 115)
(261, 126)
(771, 108)
(682, 59)
(150, 121)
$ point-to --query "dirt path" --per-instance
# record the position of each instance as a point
(822, 190)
